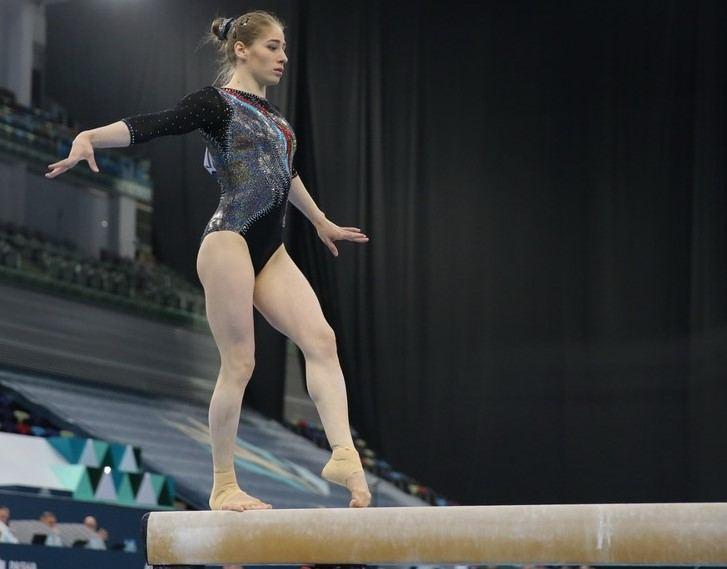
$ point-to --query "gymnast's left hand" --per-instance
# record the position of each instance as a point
(330, 232)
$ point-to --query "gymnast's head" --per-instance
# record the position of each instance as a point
(249, 47)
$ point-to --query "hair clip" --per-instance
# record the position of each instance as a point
(225, 28)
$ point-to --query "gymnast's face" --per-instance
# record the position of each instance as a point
(265, 58)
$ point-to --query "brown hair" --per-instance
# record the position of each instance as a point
(255, 23)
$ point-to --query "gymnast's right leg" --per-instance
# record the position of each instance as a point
(226, 273)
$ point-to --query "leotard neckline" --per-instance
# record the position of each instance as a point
(253, 96)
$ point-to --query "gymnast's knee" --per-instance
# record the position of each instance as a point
(237, 366)
(320, 343)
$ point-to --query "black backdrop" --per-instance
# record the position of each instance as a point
(540, 314)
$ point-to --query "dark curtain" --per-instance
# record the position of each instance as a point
(539, 316)
(540, 313)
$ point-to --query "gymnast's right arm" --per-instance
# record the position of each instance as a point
(203, 109)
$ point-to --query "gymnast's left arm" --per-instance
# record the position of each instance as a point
(327, 230)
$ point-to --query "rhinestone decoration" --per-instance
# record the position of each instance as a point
(249, 148)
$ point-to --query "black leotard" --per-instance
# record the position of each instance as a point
(250, 148)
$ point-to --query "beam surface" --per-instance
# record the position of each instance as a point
(610, 534)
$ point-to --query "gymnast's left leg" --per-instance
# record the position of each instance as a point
(285, 298)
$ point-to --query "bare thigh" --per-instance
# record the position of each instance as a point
(227, 275)
(287, 301)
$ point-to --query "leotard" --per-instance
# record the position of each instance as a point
(250, 148)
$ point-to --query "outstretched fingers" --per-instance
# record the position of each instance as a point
(354, 235)
(56, 168)
(68, 163)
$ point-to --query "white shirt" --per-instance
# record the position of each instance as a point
(53, 539)
(6, 536)
(96, 543)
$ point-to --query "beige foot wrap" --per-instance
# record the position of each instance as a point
(225, 489)
(344, 462)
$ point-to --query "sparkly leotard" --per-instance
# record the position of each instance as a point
(250, 148)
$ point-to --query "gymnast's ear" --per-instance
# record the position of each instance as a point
(240, 49)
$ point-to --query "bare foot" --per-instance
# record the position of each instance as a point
(360, 495)
(237, 500)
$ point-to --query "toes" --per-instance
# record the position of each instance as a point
(258, 506)
(360, 500)
(247, 506)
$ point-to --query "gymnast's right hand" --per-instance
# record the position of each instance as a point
(81, 149)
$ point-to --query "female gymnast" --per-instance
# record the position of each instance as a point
(242, 261)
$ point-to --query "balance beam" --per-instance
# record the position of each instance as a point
(603, 534)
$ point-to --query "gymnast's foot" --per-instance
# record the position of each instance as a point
(227, 495)
(360, 495)
(345, 469)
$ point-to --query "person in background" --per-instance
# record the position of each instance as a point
(96, 542)
(54, 536)
(6, 535)
(91, 523)
(103, 535)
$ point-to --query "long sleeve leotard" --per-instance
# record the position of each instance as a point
(250, 149)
